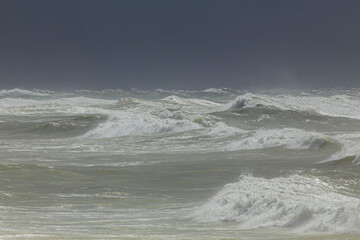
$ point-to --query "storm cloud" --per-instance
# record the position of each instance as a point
(179, 44)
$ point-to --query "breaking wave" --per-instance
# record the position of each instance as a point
(288, 138)
(296, 202)
(133, 124)
(349, 154)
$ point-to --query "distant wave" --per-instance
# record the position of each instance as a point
(250, 100)
(296, 202)
(334, 105)
(69, 105)
(16, 92)
(214, 90)
(241, 102)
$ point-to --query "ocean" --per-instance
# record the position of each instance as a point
(161, 164)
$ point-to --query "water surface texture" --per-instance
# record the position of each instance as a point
(211, 164)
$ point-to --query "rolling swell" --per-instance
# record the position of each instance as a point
(251, 111)
(338, 105)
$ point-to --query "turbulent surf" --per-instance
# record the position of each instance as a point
(161, 164)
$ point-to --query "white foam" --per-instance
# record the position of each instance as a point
(298, 202)
(288, 137)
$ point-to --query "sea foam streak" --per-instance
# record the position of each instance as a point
(297, 202)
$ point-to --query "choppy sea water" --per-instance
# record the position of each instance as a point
(212, 164)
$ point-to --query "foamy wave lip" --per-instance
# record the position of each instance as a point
(287, 137)
(133, 124)
(297, 202)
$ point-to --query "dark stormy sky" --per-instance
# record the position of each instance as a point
(184, 44)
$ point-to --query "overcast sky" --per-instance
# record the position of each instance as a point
(183, 44)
